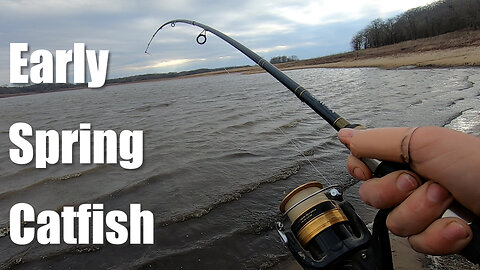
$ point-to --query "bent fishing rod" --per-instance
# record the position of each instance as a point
(325, 231)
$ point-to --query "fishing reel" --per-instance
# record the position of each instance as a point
(326, 233)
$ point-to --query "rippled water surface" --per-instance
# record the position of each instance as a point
(220, 152)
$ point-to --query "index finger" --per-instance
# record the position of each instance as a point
(448, 157)
(381, 143)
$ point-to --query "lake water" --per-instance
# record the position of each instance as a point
(218, 157)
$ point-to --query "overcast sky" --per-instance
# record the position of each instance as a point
(307, 29)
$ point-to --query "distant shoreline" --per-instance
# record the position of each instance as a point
(456, 49)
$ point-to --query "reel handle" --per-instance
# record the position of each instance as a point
(472, 251)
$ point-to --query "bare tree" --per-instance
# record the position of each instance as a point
(434, 19)
(283, 59)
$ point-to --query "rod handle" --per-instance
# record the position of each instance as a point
(472, 251)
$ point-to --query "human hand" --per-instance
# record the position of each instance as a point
(448, 160)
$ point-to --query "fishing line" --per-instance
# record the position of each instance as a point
(297, 148)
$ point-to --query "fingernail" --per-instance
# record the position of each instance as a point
(406, 182)
(437, 193)
(455, 231)
(358, 173)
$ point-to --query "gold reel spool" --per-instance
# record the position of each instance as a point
(310, 211)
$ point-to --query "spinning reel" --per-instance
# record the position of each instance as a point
(326, 233)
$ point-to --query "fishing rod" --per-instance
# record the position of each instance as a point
(331, 117)
(325, 231)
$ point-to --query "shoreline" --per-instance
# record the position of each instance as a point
(461, 57)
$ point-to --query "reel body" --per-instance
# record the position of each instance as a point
(326, 233)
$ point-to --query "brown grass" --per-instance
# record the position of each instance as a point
(461, 48)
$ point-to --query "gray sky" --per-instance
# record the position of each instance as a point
(307, 29)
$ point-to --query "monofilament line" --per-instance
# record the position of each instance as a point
(268, 115)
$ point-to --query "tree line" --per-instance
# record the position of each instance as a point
(283, 59)
(431, 20)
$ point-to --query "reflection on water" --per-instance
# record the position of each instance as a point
(468, 122)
